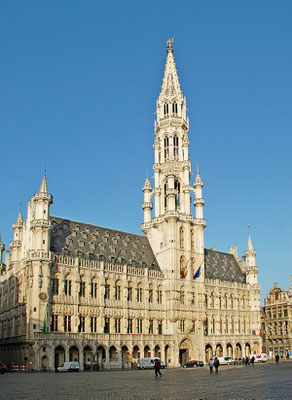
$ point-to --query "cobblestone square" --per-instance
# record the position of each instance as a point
(261, 382)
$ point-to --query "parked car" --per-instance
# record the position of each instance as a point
(69, 366)
(148, 362)
(193, 364)
(225, 360)
(3, 368)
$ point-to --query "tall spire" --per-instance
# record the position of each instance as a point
(170, 84)
(44, 185)
(249, 244)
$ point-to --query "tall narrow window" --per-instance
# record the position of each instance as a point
(106, 325)
(130, 325)
(166, 148)
(139, 325)
(174, 108)
(150, 295)
(165, 195)
(117, 325)
(82, 289)
(117, 292)
(67, 287)
(93, 324)
(159, 327)
(175, 147)
(81, 327)
(139, 294)
(177, 196)
(159, 296)
(165, 109)
(130, 293)
(150, 326)
(55, 286)
(67, 323)
(94, 290)
(54, 323)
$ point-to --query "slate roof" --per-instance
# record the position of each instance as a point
(222, 266)
(95, 242)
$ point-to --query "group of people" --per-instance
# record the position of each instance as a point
(249, 361)
(214, 364)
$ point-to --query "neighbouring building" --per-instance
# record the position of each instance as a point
(75, 291)
(276, 318)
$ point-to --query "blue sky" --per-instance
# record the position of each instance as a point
(79, 83)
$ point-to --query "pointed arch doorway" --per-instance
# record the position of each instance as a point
(184, 351)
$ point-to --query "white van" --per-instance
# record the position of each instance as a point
(225, 360)
(69, 366)
(148, 362)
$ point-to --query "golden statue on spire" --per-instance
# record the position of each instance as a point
(169, 45)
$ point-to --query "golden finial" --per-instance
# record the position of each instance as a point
(169, 45)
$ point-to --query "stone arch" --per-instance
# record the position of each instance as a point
(157, 351)
(238, 351)
(87, 358)
(208, 352)
(229, 350)
(256, 348)
(74, 353)
(247, 349)
(167, 358)
(147, 352)
(113, 353)
(126, 358)
(219, 350)
(45, 363)
(185, 348)
(136, 352)
(59, 356)
(100, 354)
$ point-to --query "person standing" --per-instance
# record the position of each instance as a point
(211, 365)
(277, 358)
(252, 361)
(216, 364)
(157, 367)
(247, 361)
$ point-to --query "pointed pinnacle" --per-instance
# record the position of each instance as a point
(44, 185)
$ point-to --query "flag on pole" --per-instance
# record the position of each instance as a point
(184, 272)
(197, 273)
(262, 332)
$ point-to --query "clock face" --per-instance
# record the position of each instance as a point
(43, 296)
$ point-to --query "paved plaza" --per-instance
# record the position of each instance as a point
(263, 381)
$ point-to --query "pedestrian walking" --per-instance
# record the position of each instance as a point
(247, 361)
(157, 367)
(216, 364)
(252, 361)
(277, 358)
(211, 365)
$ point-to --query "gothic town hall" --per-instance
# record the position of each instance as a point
(74, 291)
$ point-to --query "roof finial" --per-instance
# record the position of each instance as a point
(169, 45)
(198, 172)
(147, 173)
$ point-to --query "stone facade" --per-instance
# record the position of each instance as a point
(70, 290)
(276, 318)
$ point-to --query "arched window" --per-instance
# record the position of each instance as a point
(181, 238)
(166, 147)
(226, 301)
(239, 325)
(177, 196)
(165, 109)
(232, 325)
(175, 147)
(226, 325)
(174, 109)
